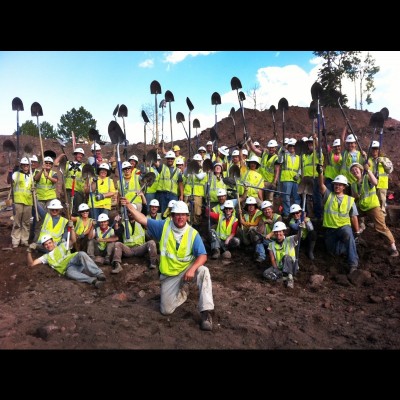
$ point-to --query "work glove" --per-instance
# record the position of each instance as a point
(302, 225)
(296, 177)
(99, 196)
(95, 179)
(320, 169)
(70, 224)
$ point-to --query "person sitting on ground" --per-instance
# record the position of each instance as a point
(223, 236)
(84, 226)
(77, 266)
(282, 254)
(102, 244)
(308, 234)
(250, 218)
(364, 192)
(182, 260)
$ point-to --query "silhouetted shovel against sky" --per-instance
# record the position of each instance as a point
(146, 121)
(196, 125)
(272, 110)
(17, 106)
(232, 115)
(36, 111)
(115, 112)
(191, 107)
(115, 132)
(180, 118)
(94, 137)
(123, 112)
(169, 98)
(236, 85)
(162, 105)
(316, 94)
(155, 88)
(283, 106)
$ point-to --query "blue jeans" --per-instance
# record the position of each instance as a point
(261, 247)
(341, 241)
(164, 198)
(290, 188)
(82, 268)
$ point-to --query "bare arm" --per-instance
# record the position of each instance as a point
(254, 149)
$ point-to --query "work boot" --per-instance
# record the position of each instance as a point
(215, 254)
(106, 260)
(117, 268)
(310, 252)
(206, 321)
(226, 254)
(101, 277)
(97, 284)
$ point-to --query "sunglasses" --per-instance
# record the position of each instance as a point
(48, 162)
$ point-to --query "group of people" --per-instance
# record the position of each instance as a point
(257, 200)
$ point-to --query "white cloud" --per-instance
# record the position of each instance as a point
(149, 63)
(175, 57)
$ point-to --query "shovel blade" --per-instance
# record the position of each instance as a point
(316, 91)
(36, 109)
(196, 123)
(235, 83)
(17, 104)
(155, 88)
(283, 104)
(169, 96)
(189, 104)
(115, 133)
(179, 117)
(144, 116)
(215, 99)
(123, 111)
(8, 145)
(377, 120)
(306, 186)
(207, 165)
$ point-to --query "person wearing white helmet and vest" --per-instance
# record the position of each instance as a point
(364, 192)
(250, 150)
(202, 151)
(167, 212)
(154, 208)
(182, 261)
(253, 180)
(77, 266)
(282, 255)
(269, 166)
(209, 153)
(21, 183)
(216, 183)
(131, 181)
(96, 158)
(334, 163)
(340, 218)
(223, 237)
(101, 244)
(102, 190)
(170, 182)
(73, 172)
(262, 234)
(84, 226)
(152, 190)
(223, 158)
(304, 223)
(54, 224)
(382, 167)
(250, 219)
(236, 160)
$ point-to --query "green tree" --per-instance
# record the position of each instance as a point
(367, 71)
(47, 131)
(29, 128)
(80, 121)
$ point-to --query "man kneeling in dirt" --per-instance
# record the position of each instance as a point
(182, 259)
(78, 266)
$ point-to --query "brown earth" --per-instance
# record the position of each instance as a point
(41, 310)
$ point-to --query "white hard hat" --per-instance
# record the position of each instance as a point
(336, 142)
(251, 200)
(350, 139)
(235, 152)
(221, 192)
(55, 205)
(126, 164)
(279, 226)
(292, 142)
(245, 152)
(79, 150)
(170, 154)
(256, 144)
(224, 151)
(158, 157)
(180, 207)
(104, 166)
(253, 158)
(48, 159)
(83, 207)
(310, 139)
(134, 158)
(24, 160)
(286, 140)
(228, 203)
(341, 179)
(197, 157)
(224, 147)
(171, 203)
(179, 161)
(45, 238)
(266, 204)
(294, 208)
(97, 146)
(375, 143)
(272, 143)
(34, 158)
(202, 148)
(304, 139)
(209, 143)
(155, 203)
(102, 217)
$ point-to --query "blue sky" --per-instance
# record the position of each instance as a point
(99, 80)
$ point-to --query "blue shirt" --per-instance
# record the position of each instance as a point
(155, 228)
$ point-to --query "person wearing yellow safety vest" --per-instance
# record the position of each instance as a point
(84, 226)
(223, 158)
(261, 235)
(53, 224)
(223, 237)
(253, 179)
(102, 190)
(349, 156)
(269, 166)
(77, 266)
(332, 169)
(177, 150)
(381, 166)
(202, 152)
(209, 153)
(102, 243)
(364, 192)
(236, 160)
(182, 260)
(152, 190)
(216, 183)
(282, 255)
(170, 182)
(339, 217)
(250, 219)
(131, 182)
(309, 162)
(290, 177)
(135, 246)
(21, 182)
